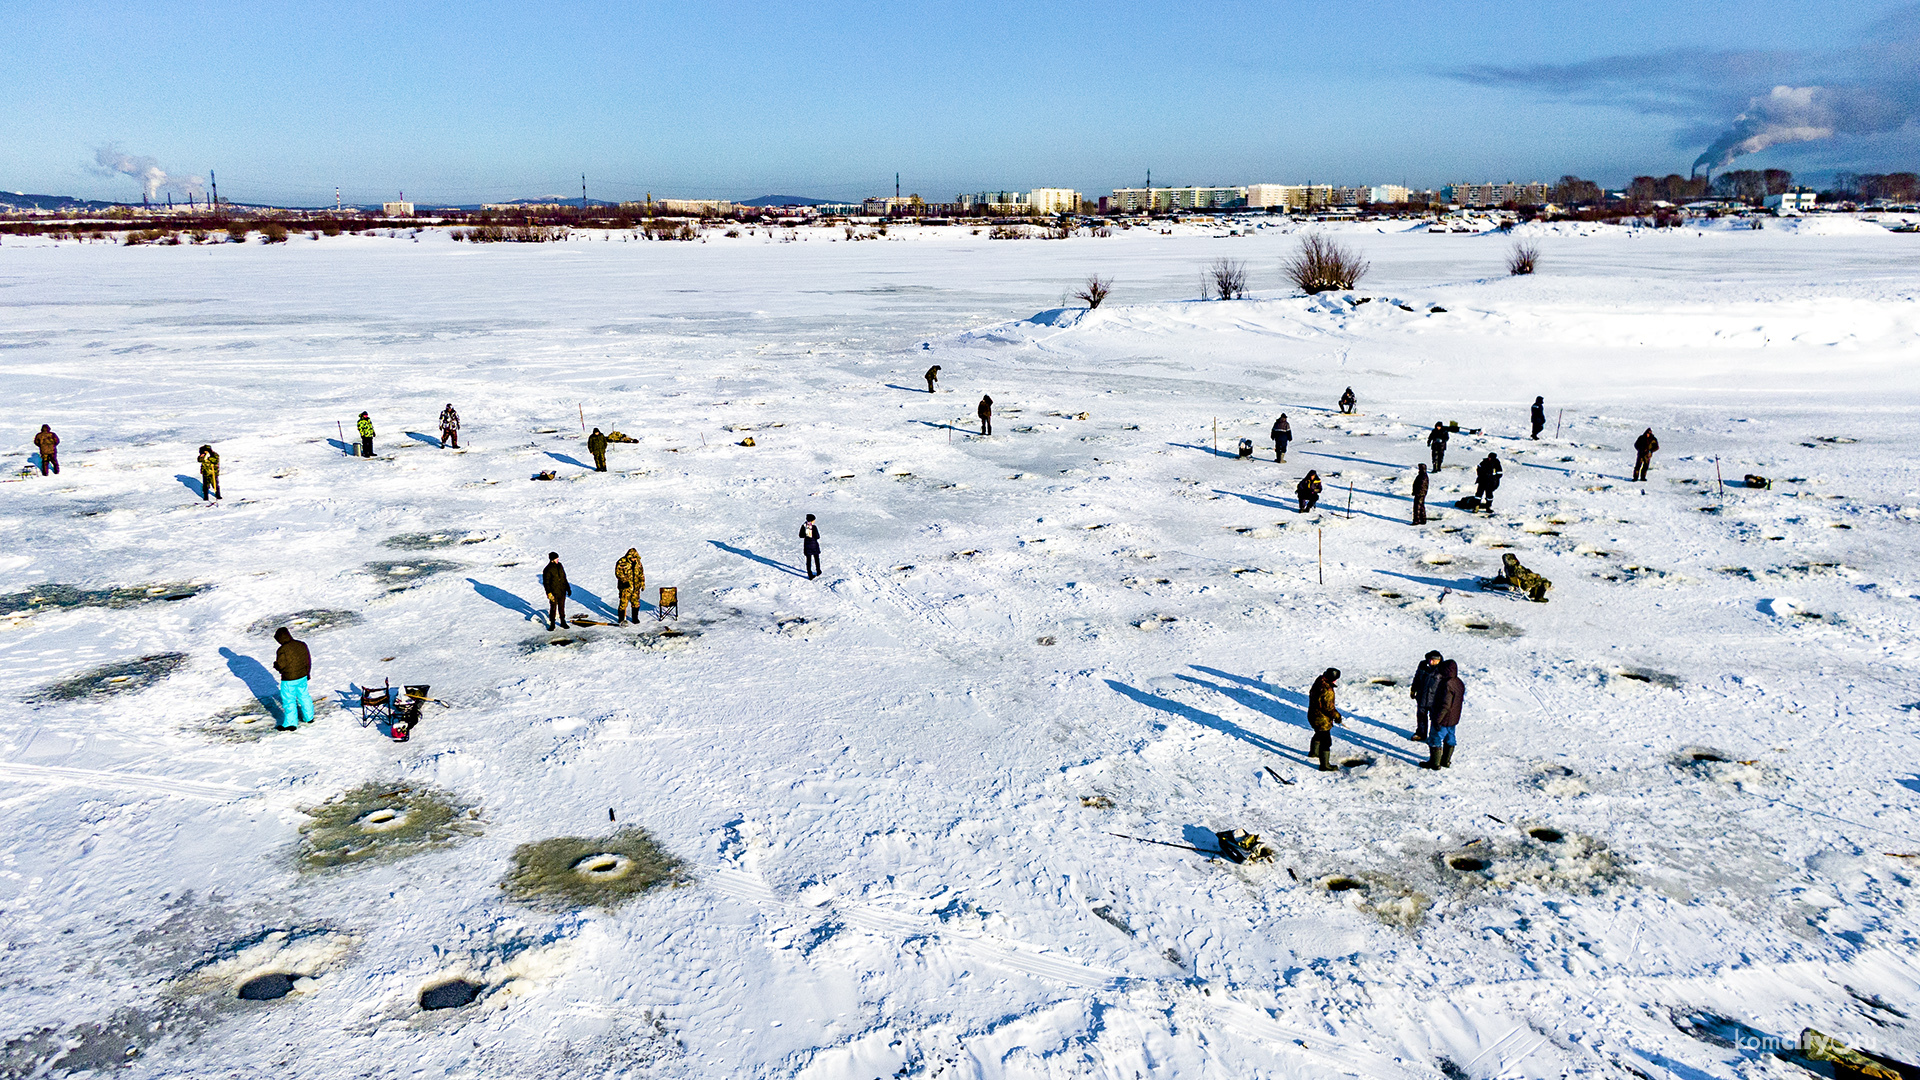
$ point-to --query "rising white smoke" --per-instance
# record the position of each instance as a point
(153, 179)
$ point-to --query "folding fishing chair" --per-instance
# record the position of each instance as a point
(378, 704)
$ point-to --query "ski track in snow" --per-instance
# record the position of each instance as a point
(877, 779)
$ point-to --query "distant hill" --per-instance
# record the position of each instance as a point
(17, 200)
(784, 200)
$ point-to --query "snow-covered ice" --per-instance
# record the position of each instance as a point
(1686, 787)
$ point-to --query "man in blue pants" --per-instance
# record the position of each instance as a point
(294, 663)
(1445, 717)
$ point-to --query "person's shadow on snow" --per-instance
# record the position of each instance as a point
(1204, 719)
(591, 602)
(428, 439)
(761, 559)
(191, 483)
(507, 600)
(260, 682)
(565, 460)
(1290, 706)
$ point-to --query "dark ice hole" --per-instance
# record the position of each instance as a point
(268, 987)
(1468, 863)
(450, 995)
(1547, 836)
(1345, 884)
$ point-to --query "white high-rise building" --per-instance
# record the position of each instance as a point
(1054, 200)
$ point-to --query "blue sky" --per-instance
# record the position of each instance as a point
(485, 100)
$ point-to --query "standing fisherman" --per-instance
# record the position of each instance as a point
(810, 546)
(209, 473)
(985, 411)
(449, 428)
(1420, 482)
(933, 376)
(1322, 714)
(48, 444)
(295, 664)
(597, 446)
(1445, 717)
(631, 578)
(1426, 692)
(365, 428)
(1347, 401)
(554, 580)
(1539, 416)
(1437, 442)
(1487, 477)
(1643, 448)
(1282, 434)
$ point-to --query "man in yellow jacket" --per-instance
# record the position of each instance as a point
(365, 427)
(631, 577)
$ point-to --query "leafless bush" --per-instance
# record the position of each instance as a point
(1322, 266)
(1520, 260)
(1095, 291)
(237, 232)
(1103, 231)
(1226, 279)
(1007, 232)
(273, 233)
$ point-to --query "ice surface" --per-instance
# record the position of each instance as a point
(892, 787)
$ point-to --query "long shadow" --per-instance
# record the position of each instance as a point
(1205, 719)
(568, 460)
(761, 559)
(1238, 686)
(908, 389)
(349, 449)
(948, 425)
(260, 682)
(1258, 501)
(1204, 449)
(507, 600)
(1460, 585)
(589, 600)
(428, 439)
(1350, 457)
(191, 483)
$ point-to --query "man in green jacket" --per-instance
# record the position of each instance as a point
(365, 428)
(597, 446)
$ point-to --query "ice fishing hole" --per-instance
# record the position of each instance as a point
(1705, 755)
(383, 819)
(451, 994)
(268, 987)
(1470, 864)
(1547, 836)
(1355, 762)
(1346, 884)
(605, 866)
(1478, 626)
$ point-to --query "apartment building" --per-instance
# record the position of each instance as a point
(1176, 198)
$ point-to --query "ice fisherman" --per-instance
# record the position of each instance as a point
(365, 428)
(1246, 449)
(1282, 434)
(1308, 491)
(48, 444)
(1426, 691)
(933, 376)
(1445, 716)
(985, 411)
(209, 473)
(1514, 576)
(1539, 415)
(1643, 450)
(1437, 444)
(1487, 480)
(1420, 484)
(295, 664)
(1322, 713)
(631, 579)
(1347, 401)
(597, 446)
(449, 428)
(810, 546)
(554, 580)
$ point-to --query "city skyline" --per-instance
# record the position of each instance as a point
(686, 101)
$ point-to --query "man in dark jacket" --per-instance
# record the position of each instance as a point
(1446, 717)
(1643, 448)
(1539, 415)
(1420, 482)
(1347, 401)
(1322, 713)
(295, 664)
(449, 428)
(597, 446)
(1426, 691)
(1487, 477)
(985, 412)
(1437, 443)
(1308, 491)
(48, 444)
(554, 578)
(933, 376)
(1282, 434)
(810, 546)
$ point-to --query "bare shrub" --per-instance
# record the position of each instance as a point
(1007, 232)
(273, 233)
(1520, 260)
(1227, 279)
(1322, 266)
(237, 232)
(1095, 291)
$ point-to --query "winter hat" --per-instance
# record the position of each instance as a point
(1434, 654)
(809, 517)
(1332, 674)
(283, 635)
(553, 554)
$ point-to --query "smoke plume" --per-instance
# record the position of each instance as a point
(110, 161)
(1792, 114)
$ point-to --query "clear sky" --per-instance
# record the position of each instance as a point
(484, 100)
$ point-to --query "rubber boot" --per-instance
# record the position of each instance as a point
(1446, 757)
(1434, 754)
